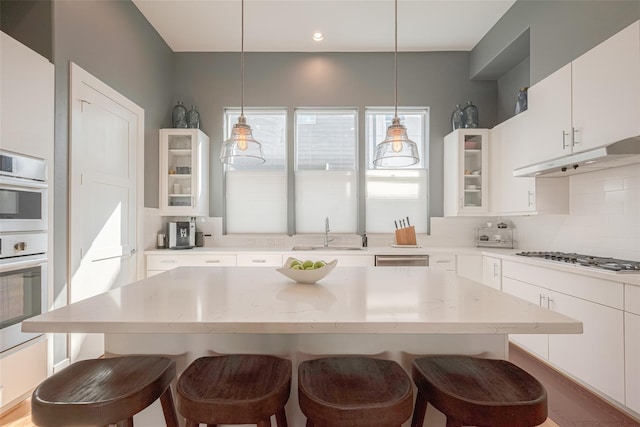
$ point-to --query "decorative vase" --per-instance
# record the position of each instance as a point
(179, 115)
(521, 103)
(193, 118)
(457, 118)
(470, 115)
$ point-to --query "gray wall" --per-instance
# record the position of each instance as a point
(115, 43)
(439, 80)
(508, 85)
(29, 22)
(560, 31)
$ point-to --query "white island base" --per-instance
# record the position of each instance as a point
(185, 348)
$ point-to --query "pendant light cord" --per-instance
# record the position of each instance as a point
(395, 60)
(242, 58)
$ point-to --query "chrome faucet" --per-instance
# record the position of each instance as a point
(327, 239)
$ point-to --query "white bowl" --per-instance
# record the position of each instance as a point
(306, 276)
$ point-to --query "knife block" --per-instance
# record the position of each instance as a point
(406, 236)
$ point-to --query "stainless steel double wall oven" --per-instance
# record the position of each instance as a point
(23, 245)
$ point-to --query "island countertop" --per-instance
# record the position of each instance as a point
(358, 300)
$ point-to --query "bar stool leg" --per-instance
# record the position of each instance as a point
(168, 408)
(281, 418)
(420, 410)
(264, 423)
(125, 423)
(309, 423)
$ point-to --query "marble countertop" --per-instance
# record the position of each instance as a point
(260, 300)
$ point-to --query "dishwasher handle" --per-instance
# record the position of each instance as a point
(402, 260)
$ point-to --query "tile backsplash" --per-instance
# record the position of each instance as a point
(604, 217)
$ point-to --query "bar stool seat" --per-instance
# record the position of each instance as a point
(354, 391)
(235, 389)
(105, 391)
(478, 392)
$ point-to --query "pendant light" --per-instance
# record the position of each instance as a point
(241, 148)
(397, 150)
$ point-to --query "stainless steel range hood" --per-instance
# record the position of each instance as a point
(621, 153)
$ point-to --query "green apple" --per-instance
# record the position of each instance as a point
(294, 263)
(309, 268)
(307, 264)
(298, 266)
(319, 264)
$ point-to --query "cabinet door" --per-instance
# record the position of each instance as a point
(597, 355)
(184, 171)
(549, 129)
(466, 179)
(492, 272)
(510, 194)
(352, 260)
(536, 343)
(632, 360)
(606, 90)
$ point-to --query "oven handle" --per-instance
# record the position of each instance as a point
(18, 265)
(21, 183)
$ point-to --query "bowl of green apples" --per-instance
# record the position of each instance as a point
(306, 271)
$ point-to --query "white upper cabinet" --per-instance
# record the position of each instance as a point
(184, 172)
(521, 195)
(548, 131)
(590, 102)
(606, 91)
(466, 172)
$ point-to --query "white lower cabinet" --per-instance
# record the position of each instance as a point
(597, 356)
(469, 267)
(443, 262)
(536, 343)
(22, 371)
(492, 272)
(259, 260)
(158, 263)
(352, 260)
(632, 346)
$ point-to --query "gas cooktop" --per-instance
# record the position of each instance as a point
(602, 263)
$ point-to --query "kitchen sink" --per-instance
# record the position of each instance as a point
(325, 248)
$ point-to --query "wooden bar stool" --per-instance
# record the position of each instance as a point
(235, 389)
(478, 392)
(354, 391)
(100, 392)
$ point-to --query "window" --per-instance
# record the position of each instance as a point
(256, 196)
(392, 194)
(326, 170)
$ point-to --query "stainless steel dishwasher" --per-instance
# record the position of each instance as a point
(402, 260)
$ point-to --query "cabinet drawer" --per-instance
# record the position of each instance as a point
(259, 260)
(214, 260)
(593, 289)
(167, 262)
(632, 299)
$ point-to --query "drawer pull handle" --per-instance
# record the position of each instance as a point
(212, 261)
(259, 260)
(168, 261)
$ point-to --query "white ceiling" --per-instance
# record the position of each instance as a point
(348, 25)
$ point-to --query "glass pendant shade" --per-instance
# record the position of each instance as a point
(241, 148)
(397, 150)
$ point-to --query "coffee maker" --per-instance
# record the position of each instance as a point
(182, 234)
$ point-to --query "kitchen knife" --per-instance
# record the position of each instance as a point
(396, 223)
(408, 224)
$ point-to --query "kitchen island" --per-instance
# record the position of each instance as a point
(393, 312)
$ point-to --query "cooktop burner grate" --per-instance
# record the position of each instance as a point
(603, 263)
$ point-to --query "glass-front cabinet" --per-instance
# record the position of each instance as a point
(184, 172)
(466, 172)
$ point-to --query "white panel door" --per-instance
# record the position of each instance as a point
(632, 360)
(103, 197)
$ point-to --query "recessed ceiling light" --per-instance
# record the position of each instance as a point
(318, 37)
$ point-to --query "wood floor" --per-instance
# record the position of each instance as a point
(569, 404)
